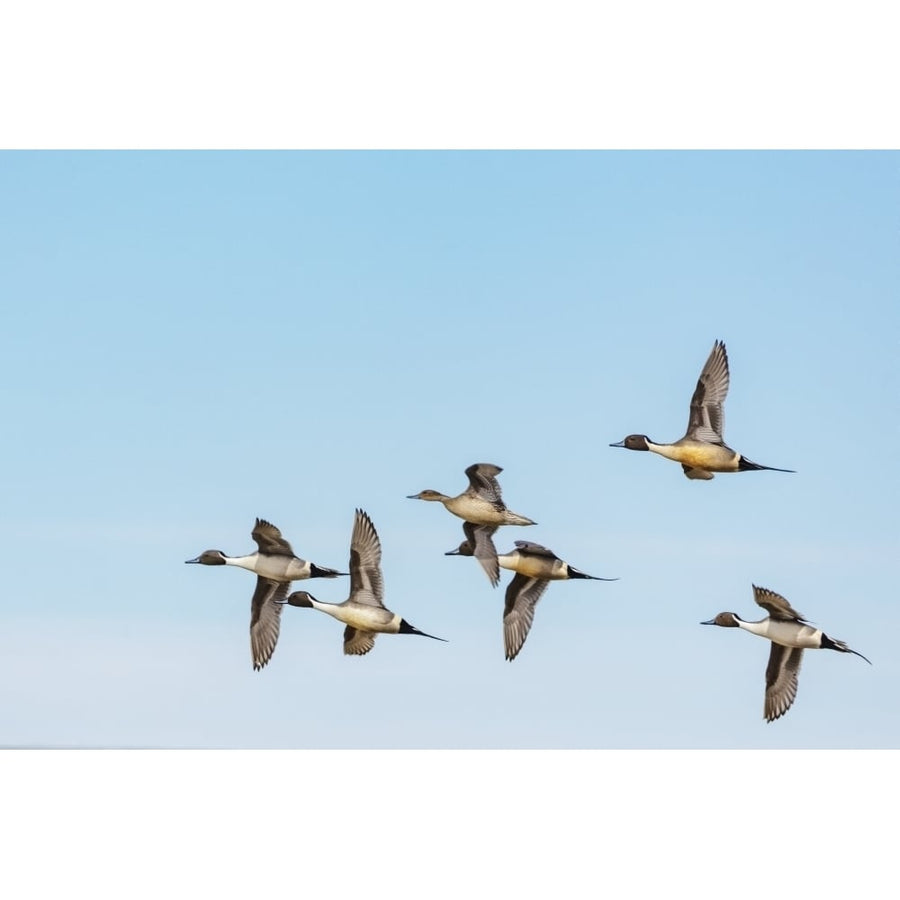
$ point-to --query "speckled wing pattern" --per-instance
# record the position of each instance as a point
(481, 539)
(358, 642)
(775, 605)
(483, 483)
(265, 619)
(781, 679)
(366, 582)
(707, 418)
(269, 540)
(522, 596)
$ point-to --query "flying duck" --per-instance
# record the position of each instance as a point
(482, 508)
(790, 635)
(702, 450)
(363, 612)
(535, 567)
(276, 567)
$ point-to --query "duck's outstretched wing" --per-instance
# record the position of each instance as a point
(781, 679)
(358, 642)
(269, 540)
(483, 481)
(480, 538)
(707, 418)
(265, 618)
(775, 605)
(533, 549)
(366, 581)
(522, 596)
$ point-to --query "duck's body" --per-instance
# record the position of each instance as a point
(276, 567)
(481, 502)
(479, 511)
(482, 508)
(363, 612)
(702, 450)
(535, 567)
(702, 455)
(531, 560)
(284, 569)
(790, 635)
(534, 561)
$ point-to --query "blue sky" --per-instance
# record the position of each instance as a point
(197, 339)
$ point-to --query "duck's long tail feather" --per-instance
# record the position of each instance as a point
(831, 644)
(746, 465)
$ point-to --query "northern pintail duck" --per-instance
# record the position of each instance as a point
(481, 506)
(790, 635)
(363, 612)
(276, 567)
(535, 567)
(702, 450)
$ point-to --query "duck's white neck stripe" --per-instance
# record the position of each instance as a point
(760, 628)
(244, 562)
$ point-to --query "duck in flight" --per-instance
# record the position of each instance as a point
(702, 450)
(276, 567)
(482, 508)
(363, 612)
(535, 567)
(790, 635)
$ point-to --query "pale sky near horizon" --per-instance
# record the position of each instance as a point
(197, 339)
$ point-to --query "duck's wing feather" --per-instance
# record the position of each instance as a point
(522, 596)
(775, 605)
(366, 582)
(483, 481)
(481, 539)
(781, 679)
(535, 549)
(707, 418)
(269, 540)
(358, 642)
(265, 618)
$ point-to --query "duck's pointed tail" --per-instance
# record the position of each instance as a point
(323, 572)
(832, 644)
(577, 573)
(514, 518)
(746, 465)
(406, 628)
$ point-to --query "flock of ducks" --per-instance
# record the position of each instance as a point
(276, 568)
(701, 452)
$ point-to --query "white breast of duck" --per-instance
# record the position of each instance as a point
(276, 568)
(699, 455)
(534, 566)
(365, 618)
(788, 634)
